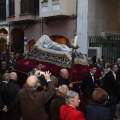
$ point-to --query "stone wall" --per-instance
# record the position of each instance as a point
(103, 16)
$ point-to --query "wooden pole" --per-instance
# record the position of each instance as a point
(7, 55)
(72, 64)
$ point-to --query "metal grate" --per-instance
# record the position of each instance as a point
(110, 46)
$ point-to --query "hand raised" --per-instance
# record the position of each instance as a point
(47, 75)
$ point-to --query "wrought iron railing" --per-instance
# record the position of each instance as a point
(110, 46)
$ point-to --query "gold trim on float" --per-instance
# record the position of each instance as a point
(21, 71)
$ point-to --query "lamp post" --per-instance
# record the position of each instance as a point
(74, 46)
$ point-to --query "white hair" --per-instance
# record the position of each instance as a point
(70, 95)
(118, 60)
(5, 77)
(62, 90)
(13, 75)
(3, 63)
(62, 71)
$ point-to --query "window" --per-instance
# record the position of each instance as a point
(29, 6)
(44, 0)
(36, 6)
(2, 9)
(11, 8)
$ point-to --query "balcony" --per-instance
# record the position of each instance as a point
(53, 8)
(25, 11)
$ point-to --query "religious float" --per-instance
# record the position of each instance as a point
(54, 56)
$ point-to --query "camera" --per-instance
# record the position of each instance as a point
(42, 73)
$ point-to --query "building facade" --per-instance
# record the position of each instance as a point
(95, 18)
(27, 20)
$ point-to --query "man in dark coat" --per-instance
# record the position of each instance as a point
(64, 78)
(5, 79)
(42, 81)
(100, 65)
(3, 69)
(11, 62)
(10, 99)
(111, 86)
(89, 84)
(118, 74)
(32, 101)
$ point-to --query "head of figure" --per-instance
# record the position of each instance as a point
(100, 61)
(54, 79)
(12, 57)
(17, 55)
(32, 81)
(107, 65)
(13, 76)
(64, 73)
(99, 96)
(4, 64)
(118, 61)
(62, 90)
(4, 55)
(93, 59)
(114, 67)
(38, 65)
(6, 77)
(72, 98)
(93, 69)
(24, 54)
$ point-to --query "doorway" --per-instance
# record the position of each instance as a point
(17, 40)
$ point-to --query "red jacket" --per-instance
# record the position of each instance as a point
(72, 115)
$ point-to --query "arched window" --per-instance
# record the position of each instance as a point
(60, 39)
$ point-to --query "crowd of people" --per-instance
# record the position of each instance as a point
(48, 97)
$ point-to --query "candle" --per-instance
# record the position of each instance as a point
(75, 41)
(7, 40)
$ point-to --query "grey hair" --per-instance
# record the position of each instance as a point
(62, 90)
(32, 81)
(118, 60)
(70, 95)
(62, 71)
(13, 75)
(5, 77)
(3, 63)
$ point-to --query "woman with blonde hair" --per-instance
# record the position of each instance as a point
(60, 100)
